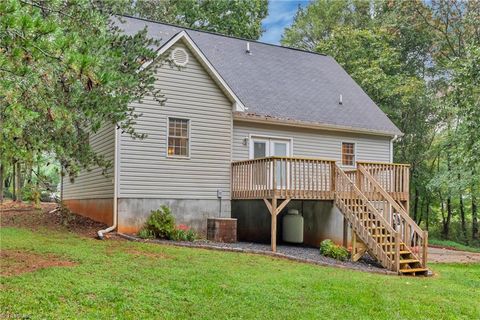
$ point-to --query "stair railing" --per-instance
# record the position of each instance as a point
(411, 234)
(358, 210)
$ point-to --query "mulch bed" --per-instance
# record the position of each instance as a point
(25, 215)
(15, 262)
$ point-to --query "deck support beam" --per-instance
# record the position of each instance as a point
(274, 211)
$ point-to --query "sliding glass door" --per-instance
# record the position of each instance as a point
(269, 147)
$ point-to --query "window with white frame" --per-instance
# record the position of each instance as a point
(348, 153)
(178, 137)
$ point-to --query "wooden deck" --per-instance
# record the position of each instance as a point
(310, 178)
(373, 197)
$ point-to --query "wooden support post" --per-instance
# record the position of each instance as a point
(425, 248)
(397, 251)
(274, 211)
(274, 225)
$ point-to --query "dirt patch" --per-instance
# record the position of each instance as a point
(26, 215)
(443, 255)
(15, 262)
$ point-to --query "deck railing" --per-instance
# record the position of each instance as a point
(395, 214)
(363, 217)
(392, 177)
(283, 177)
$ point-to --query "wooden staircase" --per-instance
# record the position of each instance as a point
(379, 223)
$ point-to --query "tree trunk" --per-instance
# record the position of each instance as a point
(19, 181)
(475, 234)
(442, 209)
(14, 183)
(462, 218)
(1, 182)
(420, 216)
(446, 224)
(415, 205)
(427, 217)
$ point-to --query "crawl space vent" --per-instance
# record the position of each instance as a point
(180, 57)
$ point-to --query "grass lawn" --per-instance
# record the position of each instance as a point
(452, 244)
(120, 279)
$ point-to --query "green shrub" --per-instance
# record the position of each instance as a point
(145, 234)
(191, 235)
(330, 249)
(160, 224)
(183, 233)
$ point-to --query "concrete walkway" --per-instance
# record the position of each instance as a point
(442, 255)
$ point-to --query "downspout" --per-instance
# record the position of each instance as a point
(101, 233)
(391, 147)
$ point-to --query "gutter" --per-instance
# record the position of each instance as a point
(254, 118)
(101, 233)
(391, 147)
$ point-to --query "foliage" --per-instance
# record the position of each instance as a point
(453, 245)
(66, 70)
(160, 224)
(145, 234)
(154, 281)
(230, 17)
(330, 249)
(183, 233)
(419, 61)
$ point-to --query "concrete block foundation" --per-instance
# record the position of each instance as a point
(322, 220)
(133, 212)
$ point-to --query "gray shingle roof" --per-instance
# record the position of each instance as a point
(281, 82)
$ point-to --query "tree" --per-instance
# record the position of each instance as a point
(419, 61)
(316, 22)
(66, 70)
(241, 18)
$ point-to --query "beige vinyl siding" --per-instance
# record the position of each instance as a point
(92, 184)
(313, 143)
(146, 171)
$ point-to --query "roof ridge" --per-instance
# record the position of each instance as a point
(220, 35)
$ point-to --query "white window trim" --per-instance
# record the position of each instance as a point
(251, 137)
(189, 122)
(354, 154)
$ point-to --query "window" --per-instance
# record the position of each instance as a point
(178, 137)
(348, 154)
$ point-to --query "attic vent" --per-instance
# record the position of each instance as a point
(180, 57)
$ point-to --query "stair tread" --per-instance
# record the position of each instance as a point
(401, 252)
(413, 270)
(409, 260)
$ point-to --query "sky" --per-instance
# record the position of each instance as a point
(280, 15)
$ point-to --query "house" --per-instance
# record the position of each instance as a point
(249, 130)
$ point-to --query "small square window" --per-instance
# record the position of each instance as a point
(178, 137)
(348, 154)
